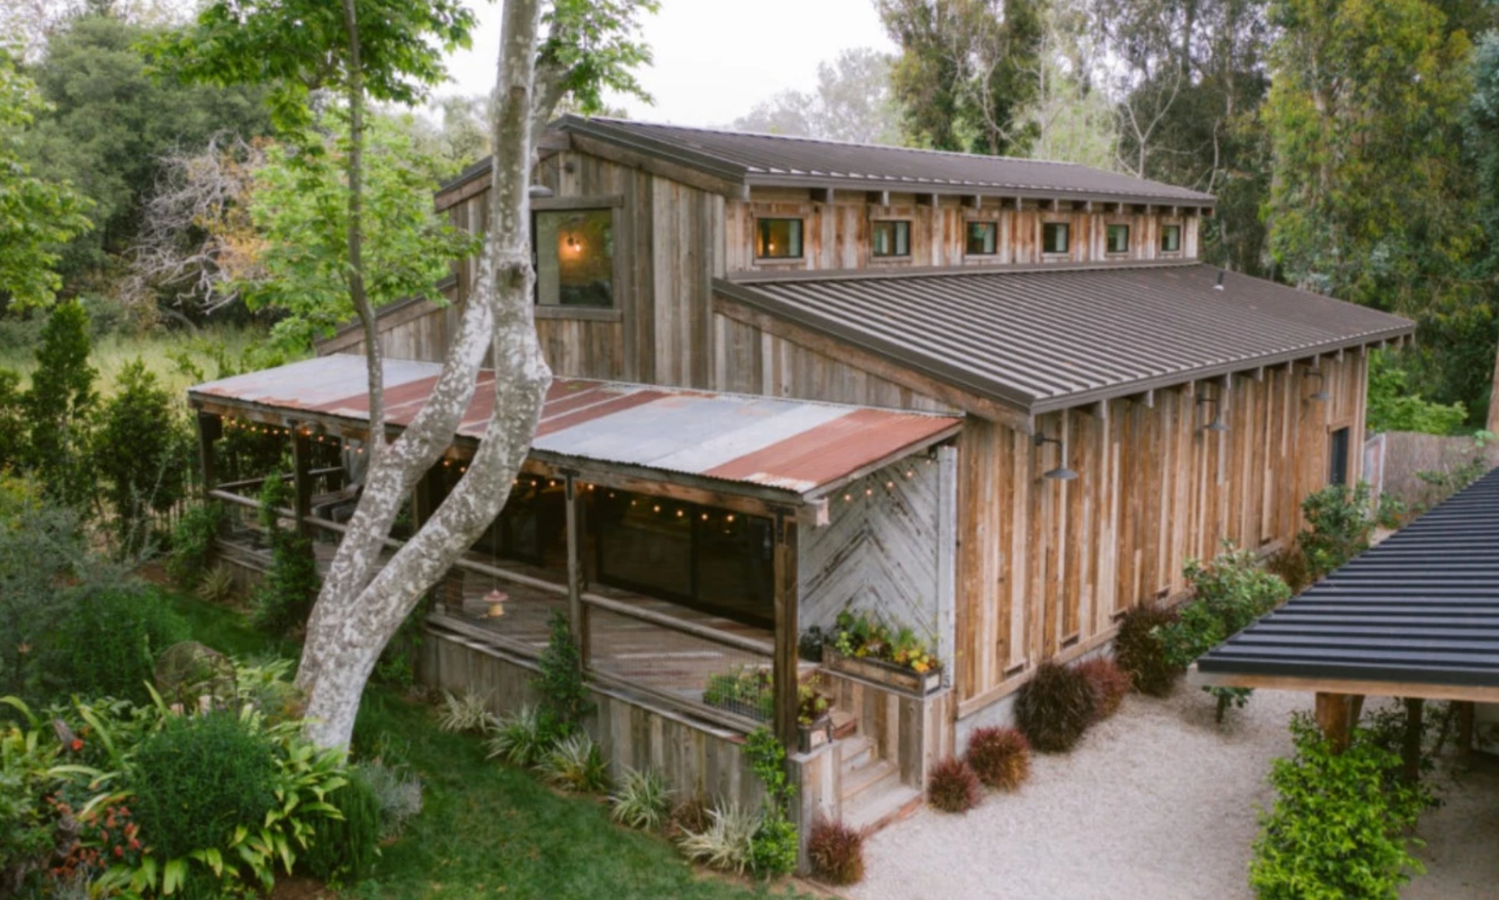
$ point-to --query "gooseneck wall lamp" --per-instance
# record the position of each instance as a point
(1313, 371)
(1061, 472)
(1217, 425)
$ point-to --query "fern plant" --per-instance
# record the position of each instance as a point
(642, 800)
(466, 713)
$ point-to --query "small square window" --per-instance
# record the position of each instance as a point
(1054, 237)
(983, 238)
(1171, 238)
(1118, 239)
(575, 258)
(778, 238)
(891, 239)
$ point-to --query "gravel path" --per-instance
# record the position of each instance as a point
(1159, 803)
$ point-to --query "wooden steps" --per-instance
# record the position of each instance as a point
(871, 795)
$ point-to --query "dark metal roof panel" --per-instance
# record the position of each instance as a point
(1421, 607)
(1044, 339)
(792, 445)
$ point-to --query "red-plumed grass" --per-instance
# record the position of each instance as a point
(836, 852)
(1139, 652)
(952, 786)
(1108, 682)
(1054, 708)
(1000, 757)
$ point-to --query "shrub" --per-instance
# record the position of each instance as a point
(1138, 651)
(773, 848)
(1054, 708)
(346, 848)
(1339, 823)
(690, 816)
(642, 800)
(198, 779)
(468, 712)
(953, 787)
(1341, 520)
(1289, 564)
(726, 843)
(141, 448)
(188, 670)
(575, 764)
(41, 547)
(60, 406)
(564, 698)
(193, 542)
(1108, 682)
(836, 853)
(216, 586)
(397, 793)
(1000, 757)
(109, 642)
(519, 738)
(285, 596)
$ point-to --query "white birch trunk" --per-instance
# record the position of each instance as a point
(361, 604)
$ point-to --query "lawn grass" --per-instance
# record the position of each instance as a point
(488, 830)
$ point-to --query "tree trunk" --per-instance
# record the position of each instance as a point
(362, 605)
(355, 164)
(1493, 424)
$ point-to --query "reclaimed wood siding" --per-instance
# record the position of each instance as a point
(1045, 568)
(837, 235)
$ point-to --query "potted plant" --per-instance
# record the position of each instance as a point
(745, 692)
(866, 648)
(814, 717)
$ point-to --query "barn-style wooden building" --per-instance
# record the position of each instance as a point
(996, 402)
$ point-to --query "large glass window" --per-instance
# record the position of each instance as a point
(891, 238)
(1118, 239)
(1054, 237)
(533, 525)
(575, 257)
(1171, 238)
(710, 559)
(983, 239)
(778, 238)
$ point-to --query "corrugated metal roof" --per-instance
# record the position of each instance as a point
(1422, 607)
(1046, 339)
(782, 160)
(790, 445)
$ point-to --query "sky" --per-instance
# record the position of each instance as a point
(715, 59)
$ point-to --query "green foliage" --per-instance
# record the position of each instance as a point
(109, 641)
(1443, 483)
(953, 786)
(1054, 708)
(773, 849)
(143, 450)
(217, 585)
(1000, 757)
(858, 634)
(575, 763)
(1228, 594)
(35, 214)
(563, 697)
(398, 794)
(1138, 650)
(41, 546)
(520, 738)
(344, 848)
(284, 597)
(768, 760)
(727, 843)
(59, 405)
(1290, 565)
(1394, 406)
(593, 46)
(12, 420)
(1341, 520)
(747, 691)
(642, 800)
(193, 542)
(466, 712)
(1338, 826)
(397, 663)
(28, 824)
(836, 853)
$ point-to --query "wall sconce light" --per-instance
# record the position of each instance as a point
(539, 190)
(1217, 426)
(1061, 472)
(1314, 372)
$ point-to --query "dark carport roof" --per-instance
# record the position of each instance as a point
(1416, 616)
(1048, 338)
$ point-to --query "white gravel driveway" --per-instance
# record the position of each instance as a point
(1158, 803)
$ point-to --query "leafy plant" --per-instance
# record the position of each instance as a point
(836, 853)
(466, 712)
(142, 449)
(108, 643)
(520, 738)
(1109, 684)
(811, 703)
(1054, 708)
(747, 691)
(1339, 824)
(1138, 651)
(216, 586)
(563, 697)
(575, 764)
(727, 843)
(282, 601)
(1443, 483)
(1394, 406)
(1000, 757)
(345, 846)
(1290, 565)
(60, 407)
(859, 635)
(642, 799)
(193, 542)
(774, 848)
(42, 547)
(1341, 520)
(953, 787)
(398, 794)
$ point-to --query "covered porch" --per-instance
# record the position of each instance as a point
(678, 531)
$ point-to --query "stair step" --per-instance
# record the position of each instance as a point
(844, 724)
(877, 808)
(870, 776)
(855, 752)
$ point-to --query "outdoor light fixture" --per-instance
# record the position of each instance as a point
(539, 190)
(1061, 472)
(1217, 426)
(1314, 372)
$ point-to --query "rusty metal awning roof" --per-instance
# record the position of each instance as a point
(794, 447)
(1416, 616)
(1048, 338)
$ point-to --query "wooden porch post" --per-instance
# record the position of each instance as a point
(1335, 718)
(1465, 711)
(1410, 750)
(210, 429)
(783, 667)
(301, 455)
(577, 613)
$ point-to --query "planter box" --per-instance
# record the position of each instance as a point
(881, 672)
(818, 734)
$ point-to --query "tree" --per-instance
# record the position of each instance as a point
(966, 70)
(852, 102)
(59, 405)
(35, 215)
(141, 450)
(1072, 120)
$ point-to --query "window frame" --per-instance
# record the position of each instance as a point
(614, 312)
(895, 238)
(1066, 232)
(1108, 231)
(1171, 228)
(989, 224)
(1339, 467)
(801, 240)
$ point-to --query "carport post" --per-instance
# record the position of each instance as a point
(1335, 717)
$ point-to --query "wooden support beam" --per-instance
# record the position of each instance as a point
(577, 613)
(1019, 203)
(1146, 399)
(1465, 715)
(879, 198)
(1334, 717)
(1259, 374)
(783, 666)
(933, 200)
(1410, 745)
(301, 456)
(823, 195)
(210, 429)
(975, 202)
